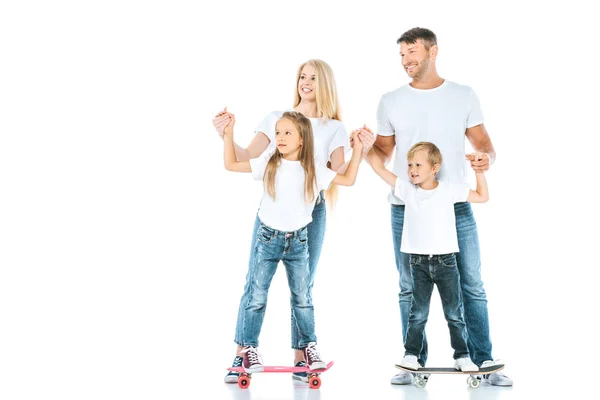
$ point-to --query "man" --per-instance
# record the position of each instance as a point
(433, 109)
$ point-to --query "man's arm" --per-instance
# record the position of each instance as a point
(384, 147)
(481, 142)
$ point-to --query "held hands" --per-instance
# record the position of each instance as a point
(356, 142)
(366, 137)
(222, 120)
(480, 162)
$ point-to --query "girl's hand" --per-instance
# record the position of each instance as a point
(221, 120)
(228, 129)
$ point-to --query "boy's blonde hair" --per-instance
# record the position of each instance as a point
(307, 157)
(434, 155)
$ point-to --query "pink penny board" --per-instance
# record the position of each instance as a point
(313, 374)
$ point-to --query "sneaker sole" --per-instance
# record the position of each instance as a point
(300, 378)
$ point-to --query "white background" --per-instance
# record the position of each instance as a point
(124, 243)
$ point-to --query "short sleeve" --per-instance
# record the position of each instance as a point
(475, 116)
(267, 125)
(259, 164)
(459, 191)
(402, 189)
(324, 176)
(384, 125)
(340, 139)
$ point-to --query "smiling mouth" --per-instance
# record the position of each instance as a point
(306, 90)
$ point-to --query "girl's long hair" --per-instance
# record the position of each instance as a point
(307, 157)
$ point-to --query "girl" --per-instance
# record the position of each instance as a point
(316, 98)
(292, 182)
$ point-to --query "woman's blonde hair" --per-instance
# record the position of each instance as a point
(306, 156)
(327, 104)
(434, 155)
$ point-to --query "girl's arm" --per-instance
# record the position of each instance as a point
(259, 143)
(231, 163)
(480, 194)
(348, 176)
(377, 163)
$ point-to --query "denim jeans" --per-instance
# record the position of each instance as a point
(271, 247)
(316, 234)
(442, 271)
(469, 269)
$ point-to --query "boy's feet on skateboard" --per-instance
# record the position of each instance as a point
(495, 378)
(252, 361)
(404, 377)
(465, 364)
(411, 362)
(312, 357)
(232, 377)
(300, 376)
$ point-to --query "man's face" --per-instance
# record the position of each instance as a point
(415, 58)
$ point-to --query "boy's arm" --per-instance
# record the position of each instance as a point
(480, 194)
(377, 163)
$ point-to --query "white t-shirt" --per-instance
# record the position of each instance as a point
(440, 116)
(289, 211)
(328, 135)
(429, 221)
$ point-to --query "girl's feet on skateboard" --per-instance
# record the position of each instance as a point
(465, 364)
(300, 376)
(312, 357)
(232, 377)
(252, 361)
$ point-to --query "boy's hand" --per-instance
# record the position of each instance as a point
(480, 162)
(367, 137)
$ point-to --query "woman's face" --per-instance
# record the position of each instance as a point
(307, 84)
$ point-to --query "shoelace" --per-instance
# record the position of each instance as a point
(238, 362)
(252, 355)
(313, 353)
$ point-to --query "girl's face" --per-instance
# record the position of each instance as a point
(307, 84)
(420, 169)
(287, 139)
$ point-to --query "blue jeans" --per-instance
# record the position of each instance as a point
(271, 247)
(442, 271)
(469, 269)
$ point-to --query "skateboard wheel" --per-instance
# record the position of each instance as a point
(315, 382)
(243, 382)
(473, 382)
(420, 382)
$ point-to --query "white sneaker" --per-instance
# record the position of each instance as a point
(465, 364)
(496, 378)
(411, 362)
(402, 378)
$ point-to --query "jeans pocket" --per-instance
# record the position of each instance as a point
(303, 236)
(414, 260)
(448, 260)
(264, 234)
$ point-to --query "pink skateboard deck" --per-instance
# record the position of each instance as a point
(313, 374)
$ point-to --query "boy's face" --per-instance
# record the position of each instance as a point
(420, 169)
(287, 137)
